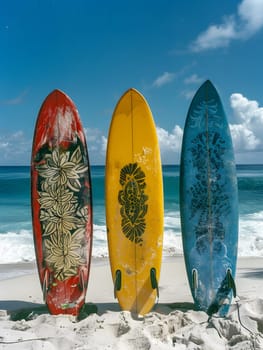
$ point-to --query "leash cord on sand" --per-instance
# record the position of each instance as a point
(23, 340)
(254, 335)
(240, 321)
(232, 285)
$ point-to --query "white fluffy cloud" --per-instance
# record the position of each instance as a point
(96, 145)
(251, 14)
(243, 138)
(216, 36)
(193, 79)
(239, 26)
(189, 83)
(247, 133)
(164, 79)
(3, 145)
(170, 144)
(15, 149)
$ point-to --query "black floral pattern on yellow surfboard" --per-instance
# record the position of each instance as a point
(63, 198)
(132, 199)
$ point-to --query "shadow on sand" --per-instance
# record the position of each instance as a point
(251, 273)
(21, 310)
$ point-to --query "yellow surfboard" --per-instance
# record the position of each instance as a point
(134, 204)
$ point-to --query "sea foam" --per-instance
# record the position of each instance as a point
(19, 246)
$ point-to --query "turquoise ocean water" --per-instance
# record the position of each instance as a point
(16, 240)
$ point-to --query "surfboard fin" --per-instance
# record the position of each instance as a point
(45, 286)
(117, 282)
(231, 282)
(222, 297)
(154, 281)
(82, 282)
(195, 279)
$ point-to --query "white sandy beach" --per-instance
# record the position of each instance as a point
(173, 324)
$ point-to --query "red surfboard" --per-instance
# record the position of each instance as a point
(61, 205)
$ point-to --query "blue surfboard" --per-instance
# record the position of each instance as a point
(209, 203)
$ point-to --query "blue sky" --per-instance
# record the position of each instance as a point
(95, 50)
